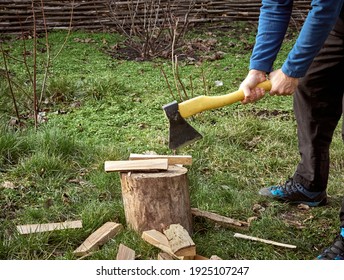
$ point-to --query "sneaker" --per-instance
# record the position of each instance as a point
(335, 251)
(295, 193)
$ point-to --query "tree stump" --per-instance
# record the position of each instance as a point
(157, 200)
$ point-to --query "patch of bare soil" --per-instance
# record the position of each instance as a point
(192, 51)
(283, 114)
(196, 50)
(298, 217)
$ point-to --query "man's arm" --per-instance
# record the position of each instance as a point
(318, 24)
(273, 23)
(272, 26)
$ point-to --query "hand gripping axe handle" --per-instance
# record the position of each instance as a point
(181, 133)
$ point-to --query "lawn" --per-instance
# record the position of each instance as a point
(98, 106)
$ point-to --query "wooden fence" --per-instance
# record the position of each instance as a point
(19, 15)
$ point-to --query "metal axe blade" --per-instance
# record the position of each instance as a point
(180, 133)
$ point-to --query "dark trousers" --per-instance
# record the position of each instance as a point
(318, 107)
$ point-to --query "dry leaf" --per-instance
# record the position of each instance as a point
(303, 207)
(251, 219)
(215, 257)
(8, 185)
(257, 208)
(218, 83)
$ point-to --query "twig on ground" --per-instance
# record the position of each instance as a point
(239, 235)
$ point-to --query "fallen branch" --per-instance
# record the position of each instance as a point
(224, 221)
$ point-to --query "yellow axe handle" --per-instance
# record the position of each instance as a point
(202, 103)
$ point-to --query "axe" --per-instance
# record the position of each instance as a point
(181, 133)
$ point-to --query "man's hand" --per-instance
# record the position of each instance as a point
(282, 84)
(252, 93)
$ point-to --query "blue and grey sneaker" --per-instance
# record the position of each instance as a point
(335, 251)
(295, 193)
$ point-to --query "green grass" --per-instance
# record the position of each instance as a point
(100, 108)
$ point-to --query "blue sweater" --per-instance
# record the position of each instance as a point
(273, 23)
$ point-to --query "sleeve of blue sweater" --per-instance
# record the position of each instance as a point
(273, 23)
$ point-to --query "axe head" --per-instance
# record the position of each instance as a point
(180, 133)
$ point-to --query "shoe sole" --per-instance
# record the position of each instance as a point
(309, 203)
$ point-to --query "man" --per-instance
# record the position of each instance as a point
(314, 71)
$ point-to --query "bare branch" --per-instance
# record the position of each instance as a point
(10, 83)
(47, 62)
(191, 85)
(205, 86)
(167, 82)
(35, 100)
(68, 34)
(179, 80)
(146, 23)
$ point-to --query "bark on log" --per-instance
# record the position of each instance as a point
(157, 200)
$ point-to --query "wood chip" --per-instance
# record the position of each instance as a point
(125, 253)
(159, 240)
(98, 238)
(180, 241)
(165, 256)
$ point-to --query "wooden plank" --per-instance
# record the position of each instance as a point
(35, 228)
(239, 235)
(125, 253)
(224, 221)
(98, 238)
(181, 159)
(180, 241)
(136, 165)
